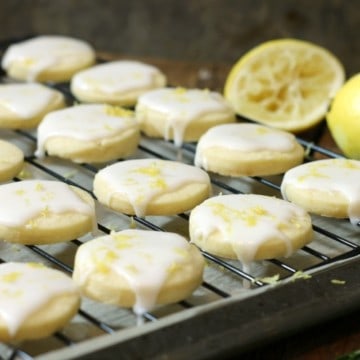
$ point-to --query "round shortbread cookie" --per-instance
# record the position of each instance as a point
(117, 83)
(48, 58)
(44, 212)
(23, 106)
(181, 114)
(88, 133)
(11, 160)
(329, 187)
(247, 150)
(151, 187)
(138, 269)
(35, 301)
(249, 227)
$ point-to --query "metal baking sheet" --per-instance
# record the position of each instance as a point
(233, 311)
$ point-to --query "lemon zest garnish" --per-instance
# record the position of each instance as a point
(180, 95)
(48, 196)
(11, 293)
(313, 172)
(102, 267)
(36, 265)
(39, 187)
(121, 237)
(338, 282)
(180, 90)
(31, 223)
(139, 199)
(300, 275)
(132, 268)
(24, 174)
(249, 216)
(20, 192)
(118, 111)
(45, 212)
(11, 277)
(173, 267)
(151, 170)
(28, 61)
(130, 181)
(221, 210)
(180, 251)
(108, 127)
(261, 130)
(259, 210)
(122, 241)
(294, 221)
(159, 184)
(350, 164)
(271, 280)
(102, 264)
(110, 256)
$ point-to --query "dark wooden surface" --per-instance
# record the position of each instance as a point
(201, 30)
(330, 340)
(325, 341)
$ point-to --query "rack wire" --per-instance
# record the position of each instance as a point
(335, 240)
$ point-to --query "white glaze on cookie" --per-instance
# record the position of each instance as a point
(116, 77)
(26, 100)
(180, 107)
(23, 201)
(44, 52)
(144, 258)
(330, 175)
(142, 180)
(245, 221)
(244, 138)
(26, 287)
(84, 122)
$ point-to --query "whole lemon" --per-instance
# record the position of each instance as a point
(343, 118)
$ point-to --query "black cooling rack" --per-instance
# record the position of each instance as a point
(233, 310)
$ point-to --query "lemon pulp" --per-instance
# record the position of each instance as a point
(285, 83)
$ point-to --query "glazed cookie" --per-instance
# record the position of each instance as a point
(44, 212)
(328, 187)
(151, 187)
(35, 301)
(47, 58)
(138, 269)
(181, 114)
(11, 160)
(117, 82)
(24, 105)
(88, 133)
(247, 150)
(249, 227)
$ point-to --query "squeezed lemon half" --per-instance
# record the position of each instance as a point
(343, 118)
(285, 83)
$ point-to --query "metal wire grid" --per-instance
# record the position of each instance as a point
(329, 233)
